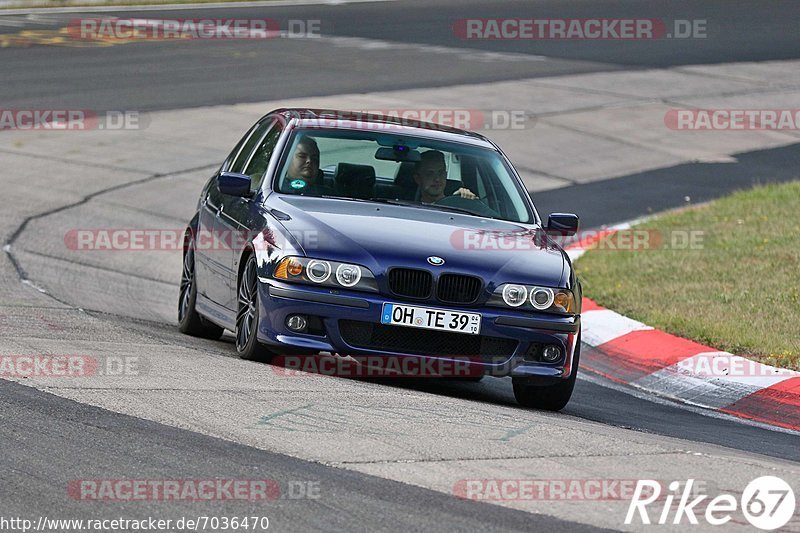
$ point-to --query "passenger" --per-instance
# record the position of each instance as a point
(430, 173)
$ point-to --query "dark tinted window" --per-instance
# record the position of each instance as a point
(244, 154)
(259, 160)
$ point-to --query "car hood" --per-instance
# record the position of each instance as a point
(380, 236)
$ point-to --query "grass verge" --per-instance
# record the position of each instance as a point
(726, 274)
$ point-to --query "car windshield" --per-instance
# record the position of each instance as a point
(400, 169)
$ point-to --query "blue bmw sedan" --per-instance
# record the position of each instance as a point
(363, 235)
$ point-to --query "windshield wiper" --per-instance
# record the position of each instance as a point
(436, 207)
(381, 200)
(455, 209)
(395, 202)
(462, 210)
(406, 203)
(331, 196)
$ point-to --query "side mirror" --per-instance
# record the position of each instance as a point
(564, 224)
(234, 184)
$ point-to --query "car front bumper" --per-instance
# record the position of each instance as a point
(279, 300)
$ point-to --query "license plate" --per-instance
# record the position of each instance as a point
(423, 317)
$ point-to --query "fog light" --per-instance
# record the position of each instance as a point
(296, 323)
(551, 353)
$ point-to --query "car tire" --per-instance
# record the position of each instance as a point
(247, 316)
(548, 397)
(189, 320)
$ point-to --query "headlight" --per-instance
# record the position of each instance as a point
(348, 275)
(514, 295)
(533, 298)
(542, 298)
(318, 272)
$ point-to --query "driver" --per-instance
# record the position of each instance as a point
(304, 164)
(430, 173)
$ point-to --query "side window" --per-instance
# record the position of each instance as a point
(247, 148)
(257, 166)
(226, 166)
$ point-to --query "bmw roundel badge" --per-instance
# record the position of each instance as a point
(435, 260)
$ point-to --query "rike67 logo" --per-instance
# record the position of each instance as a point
(767, 503)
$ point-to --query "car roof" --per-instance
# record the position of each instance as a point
(373, 121)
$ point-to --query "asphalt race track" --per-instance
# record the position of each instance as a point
(179, 75)
(384, 455)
